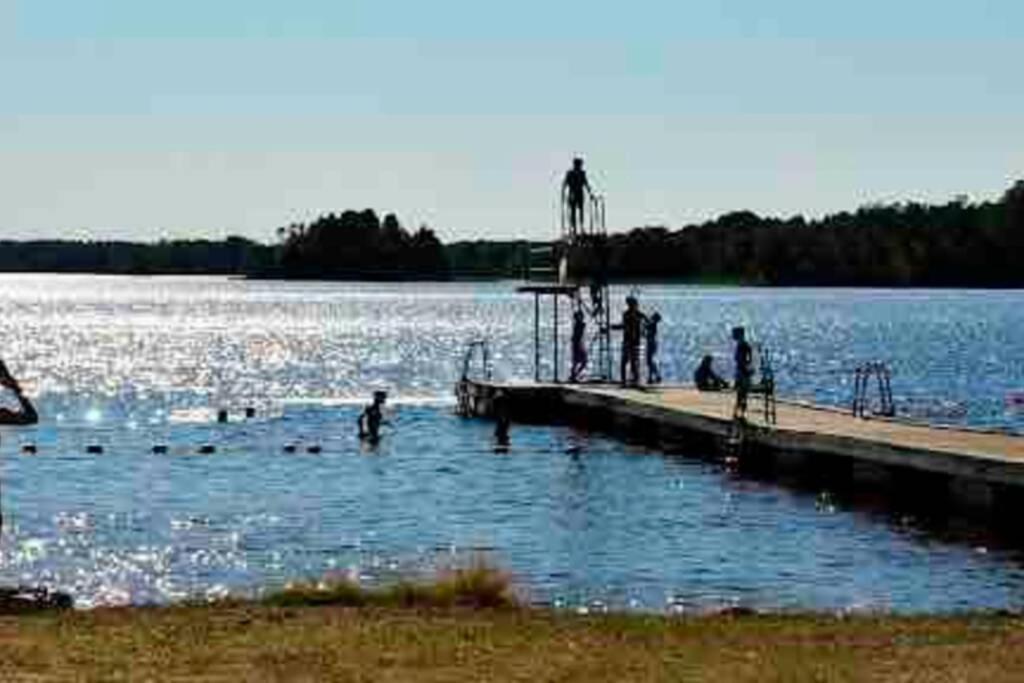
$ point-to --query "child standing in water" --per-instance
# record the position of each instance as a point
(372, 417)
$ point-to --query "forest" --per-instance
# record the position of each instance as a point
(958, 243)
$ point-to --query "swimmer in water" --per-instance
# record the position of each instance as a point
(502, 419)
(372, 417)
(27, 415)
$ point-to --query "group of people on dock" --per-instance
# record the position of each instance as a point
(640, 329)
(637, 328)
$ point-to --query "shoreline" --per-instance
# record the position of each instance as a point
(499, 278)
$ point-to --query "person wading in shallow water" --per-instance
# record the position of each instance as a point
(502, 419)
(27, 414)
(372, 417)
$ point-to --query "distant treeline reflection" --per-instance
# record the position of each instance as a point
(959, 243)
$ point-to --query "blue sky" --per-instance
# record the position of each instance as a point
(140, 119)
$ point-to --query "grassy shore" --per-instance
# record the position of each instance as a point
(467, 626)
(264, 643)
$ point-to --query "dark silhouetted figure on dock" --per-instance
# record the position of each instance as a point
(573, 188)
(27, 414)
(579, 345)
(744, 357)
(372, 417)
(502, 418)
(632, 327)
(651, 345)
(706, 378)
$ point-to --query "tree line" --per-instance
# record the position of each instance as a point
(359, 245)
(958, 243)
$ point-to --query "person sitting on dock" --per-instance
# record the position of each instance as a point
(27, 414)
(372, 417)
(573, 188)
(744, 357)
(651, 339)
(579, 345)
(706, 378)
(631, 326)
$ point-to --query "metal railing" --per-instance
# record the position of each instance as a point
(861, 383)
(477, 347)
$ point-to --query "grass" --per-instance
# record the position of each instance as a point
(266, 643)
(468, 626)
(478, 586)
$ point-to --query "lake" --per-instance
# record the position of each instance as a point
(581, 520)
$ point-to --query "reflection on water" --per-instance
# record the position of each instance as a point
(580, 519)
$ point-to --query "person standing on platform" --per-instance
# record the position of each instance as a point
(651, 343)
(632, 329)
(744, 358)
(579, 345)
(574, 187)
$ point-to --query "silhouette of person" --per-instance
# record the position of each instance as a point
(744, 359)
(651, 339)
(372, 417)
(631, 326)
(573, 188)
(596, 300)
(579, 345)
(502, 419)
(27, 415)
(706, 378)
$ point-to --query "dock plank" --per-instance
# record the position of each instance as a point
(817, 420)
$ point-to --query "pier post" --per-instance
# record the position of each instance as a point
(536, 337)
(555, 332)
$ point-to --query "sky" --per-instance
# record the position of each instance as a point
(148, 120)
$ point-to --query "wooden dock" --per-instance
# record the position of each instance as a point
(984, 469)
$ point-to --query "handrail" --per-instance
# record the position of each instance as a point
(862, 377)
(485, 359)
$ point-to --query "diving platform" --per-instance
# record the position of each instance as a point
(984, 469)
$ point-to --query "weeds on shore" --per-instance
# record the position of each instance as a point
(476, 587)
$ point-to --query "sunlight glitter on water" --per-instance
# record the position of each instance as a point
(581, 521)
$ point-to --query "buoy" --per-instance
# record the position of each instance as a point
(29, 449)
(159, 449)
(94, 450)
(222, 415)
(207, 449)
(289, 448)
(314, 449)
